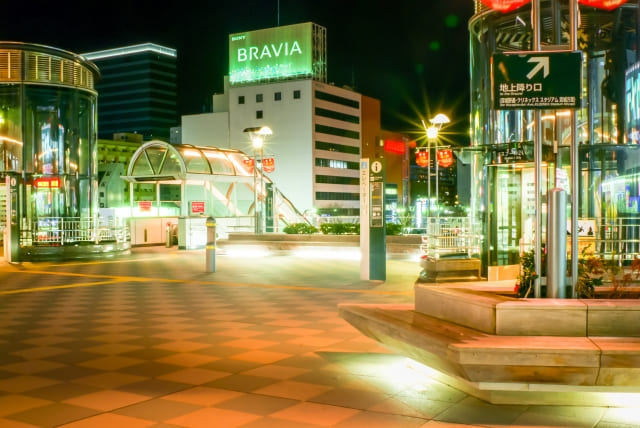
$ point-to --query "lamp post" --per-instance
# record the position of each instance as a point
(257, 135)
(432, 136)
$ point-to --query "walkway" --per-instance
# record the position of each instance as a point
(151, 340)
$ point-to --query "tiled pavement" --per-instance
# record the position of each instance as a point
(151, 340)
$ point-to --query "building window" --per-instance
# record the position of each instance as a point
(277, 96)
(337, 99)
(258, 114)
(337, 131)
(296, 94)
(241, 99)
(258, 98)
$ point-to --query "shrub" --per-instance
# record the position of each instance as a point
(299, 228)
(393, 229)
(340, 228)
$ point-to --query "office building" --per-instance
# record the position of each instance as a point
(137, 90)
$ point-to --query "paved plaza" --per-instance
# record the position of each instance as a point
(152, 340)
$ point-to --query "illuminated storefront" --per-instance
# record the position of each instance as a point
(504, 196)
(47, 148)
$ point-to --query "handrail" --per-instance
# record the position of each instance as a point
(56, 231)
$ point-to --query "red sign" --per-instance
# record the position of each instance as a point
(47, 183)
(422, 158)
(445, 158)
(505, 5)
(392, 146)
(197, 207)
(603, 4)
(248, 162)
(145, 205)
(268, 164)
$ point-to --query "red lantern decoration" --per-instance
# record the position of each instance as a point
(505, 5)
(422, 158)
(248, 162)
(268, 164)
(445, 158)
(603, 4)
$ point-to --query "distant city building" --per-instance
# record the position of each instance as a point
(137, 90)
(277, 78)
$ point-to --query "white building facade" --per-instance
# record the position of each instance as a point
(317, 132)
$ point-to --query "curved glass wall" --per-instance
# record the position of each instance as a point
(502, 140)
(47, 136)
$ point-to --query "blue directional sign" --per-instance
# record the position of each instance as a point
(536, 80)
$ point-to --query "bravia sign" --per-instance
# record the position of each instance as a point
(536, 80)
(272, 53)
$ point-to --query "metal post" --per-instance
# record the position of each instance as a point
(537, 154)
(255, 194)
(575, 161)
(557, 244)
(168, 236)
(211, 245)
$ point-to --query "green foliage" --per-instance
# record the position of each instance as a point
(591, 272)
(354, 228)
(340, 228)
(300, 228)
(393, 229)
(527, 275)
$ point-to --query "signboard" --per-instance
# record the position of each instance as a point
(268, 164)
(422, 158)
(445, 158)
(536, 80)
(145, 205)
(272, 53)
(197, 207)
(377, 194)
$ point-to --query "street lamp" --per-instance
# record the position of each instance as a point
(257, 135)
(432, 135)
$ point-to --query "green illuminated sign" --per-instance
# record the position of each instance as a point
(272, 53)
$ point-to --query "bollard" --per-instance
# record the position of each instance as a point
(168, 236)
(211, 245)
(557, 244)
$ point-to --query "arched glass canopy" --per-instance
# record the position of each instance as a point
(158, 160)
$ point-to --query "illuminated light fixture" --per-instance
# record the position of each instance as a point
(603, 4)
(505, 5)
(128, 50)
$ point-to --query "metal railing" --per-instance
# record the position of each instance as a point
(54, 231)
(450, 237)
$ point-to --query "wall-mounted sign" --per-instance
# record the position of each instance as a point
(272, 53)
(47, 183)
(536, 80)
(394, 146)
(145, 205)
(197, 207)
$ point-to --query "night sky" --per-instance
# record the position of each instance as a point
(412, 55)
